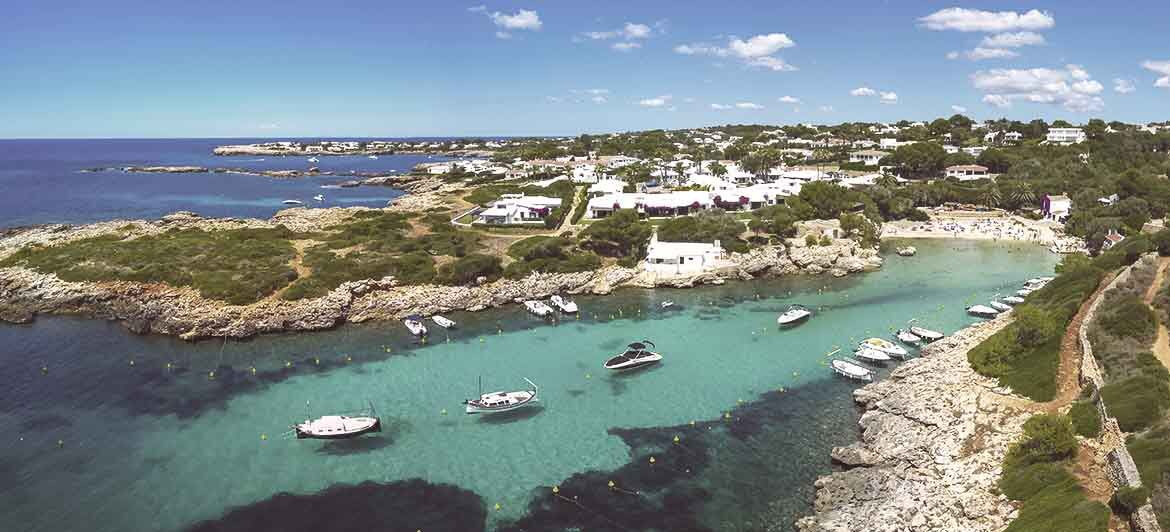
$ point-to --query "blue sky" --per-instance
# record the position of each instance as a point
(299, 68)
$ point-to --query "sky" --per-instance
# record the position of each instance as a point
(296, 68)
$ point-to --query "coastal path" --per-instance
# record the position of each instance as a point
(1162, 342)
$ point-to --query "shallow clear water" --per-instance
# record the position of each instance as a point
(42, 180)
(147, 447)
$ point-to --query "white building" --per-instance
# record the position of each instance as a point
(1013, 136)
(518, 209)
(606, 186)
(1055, 207)
(680, 258)
(975, 151)
(1065, 135)
(967, 172)
(867, 157)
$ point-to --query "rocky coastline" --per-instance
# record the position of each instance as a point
(318, 150)
(933, 438)
(179, 311)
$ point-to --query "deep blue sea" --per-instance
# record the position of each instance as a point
(42, 182)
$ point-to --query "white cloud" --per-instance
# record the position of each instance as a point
(553, 99)
(980, 53)
(523, 19)
(862, 91)
(1123, 86)
(889, 97)
(1013, 40)
(756, 52)
(268, 126)
(630, 30)
(788, 99)
(503, 35)
(958, 109)
(826, 109)
(688, 100)
(596, 91)
(952, 55)
(659, 101)
(1071, 87)
(748, 105)
(760, 45)
(1159, 67)
(598, 99)
(477, 9)
(720, 107)
(626, 46)
(966, 20)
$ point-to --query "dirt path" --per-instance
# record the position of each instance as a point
(1068, 376)
(567, 224)
(1162, 342)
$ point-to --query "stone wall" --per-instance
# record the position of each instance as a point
(1121, 469)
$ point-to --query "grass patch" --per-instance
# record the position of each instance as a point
(239, 266)
(549, 254)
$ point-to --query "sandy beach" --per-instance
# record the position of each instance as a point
(984, 226)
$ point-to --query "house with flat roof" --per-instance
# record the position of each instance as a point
(680, 258)
(867, 157)
(966, 172)
(1064, 135)
(517, 209)
(1055, 207)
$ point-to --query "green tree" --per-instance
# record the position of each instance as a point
(991, 196)
(1035, 326)
(622, 234)
(826, 199)
(920, 160)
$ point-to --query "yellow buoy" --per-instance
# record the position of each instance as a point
(588, 376)
(253, 370)
(556, 489)
(211, 375)
(45, 370)
(60, 443)
(692, 422)
(497, 506)
(443, 412)
(612, 485)
(263, 436)
(131, 363)
(727, 415)
(676, 438)
(651, 459)
(288, 363)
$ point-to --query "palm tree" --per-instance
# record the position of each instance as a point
(680, 170)
(717, 169)
(886, 180)
(1022, 195)
(991, 197)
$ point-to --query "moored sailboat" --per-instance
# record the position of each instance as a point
(494, 402)
(338, 427)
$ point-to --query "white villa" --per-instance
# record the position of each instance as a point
(967, 172)
(975, 151)
(1065, 135)
(1055, 207)
(606, 186)
(518, 209)
(680, 258)
(867, 157)
(724, 195)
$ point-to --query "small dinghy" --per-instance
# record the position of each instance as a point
(884, 346)
(982, 311)
(312, 159)
(538, 308)
(1024, 292)
(871, 355)
(319, 197)
(491, 403)
(926, 334)
(415, 324)
(907, 337)
(1013, 300)
(374, 157)
(666, 304)
(442, 321)
(568, 306)
(636, 356)
(293, 202)
(1000, 306)
(850, 369)
(793, 315)
(338, 427)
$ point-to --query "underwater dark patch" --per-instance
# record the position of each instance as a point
(366, 507)
(45, 423)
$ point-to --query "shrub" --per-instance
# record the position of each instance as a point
(1061, 508)
(811, 240)
(1136, 402)
(1130, 317)
(1126, 500)
(1047, 438)
(1086, 419)
(1035, 326)
(621, 235)
(467, 269)
(1021, 483)
(1151, 453)
(705, 226)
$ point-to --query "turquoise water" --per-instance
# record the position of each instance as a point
(145, 446)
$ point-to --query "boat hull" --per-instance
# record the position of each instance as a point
(376, 427)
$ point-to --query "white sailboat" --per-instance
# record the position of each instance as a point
(982, 311)
(793, 315)
(884, 346)
(494, 402)
(338, 427)
(538, 308)
(850, 369)
(415, 324)
(568, 306)
(635, 356)
(443, 321)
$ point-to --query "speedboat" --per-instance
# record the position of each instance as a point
(538, 308)
(884, 346)
(338, 427)
(982, 311)
(293, 202)
(568, 306)
(870, 354)
(1013, 300)
(375, 157)
(1023, 292)
(319, 197)
(666, 304)
(1000, 306)
(494, 402)
(907, 337)
(312, 159)
(442, 321)
(635, 356)
(926, 334)
(852, 370)
(415, 324)
(793, 315)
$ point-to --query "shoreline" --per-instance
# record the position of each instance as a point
(930, 453)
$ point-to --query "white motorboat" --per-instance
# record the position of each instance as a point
(374, 157)
(1023, 292)
(793, 315)
(442, 321)
(1013, 300)
(568, 306)
(869, 354)
(293, 202)
(415, 324)
(494, 402)
(636, 356)
(312, 159)
(884, 346)
(1000, 306)
(338, 427)
(926, 334)
(538, 308)
(907, 337)
(319, 197)
(982, 311)
(666, 304)
(850, 369)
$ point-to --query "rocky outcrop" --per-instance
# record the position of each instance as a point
(933, 438)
